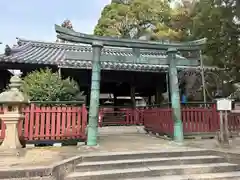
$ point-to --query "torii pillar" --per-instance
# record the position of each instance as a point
(175, 96)
(92, 131)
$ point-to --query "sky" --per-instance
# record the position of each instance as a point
(34, 20)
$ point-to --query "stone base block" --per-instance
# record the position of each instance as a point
(29, 146)
(57, 145)
(140, 129)
(226, 144)
(81, 144)
(89, 148)
(197, 137)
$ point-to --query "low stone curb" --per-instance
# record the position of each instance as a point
(56, 171)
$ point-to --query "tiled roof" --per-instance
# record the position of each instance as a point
(36, 52)
(33, 52)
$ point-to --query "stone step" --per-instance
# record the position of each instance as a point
(129, 163)
(152, 171)
(146, 154)
(208, 176)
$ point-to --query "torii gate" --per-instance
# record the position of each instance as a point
(172, 60)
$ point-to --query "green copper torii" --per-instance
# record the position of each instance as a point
(72, 36)
(172, 61)
(94, 98)
(175, 96)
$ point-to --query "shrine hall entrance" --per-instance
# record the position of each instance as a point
(122, 93)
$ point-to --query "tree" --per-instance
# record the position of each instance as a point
(44, 85)
(181, 17)
(137, 18)
(66, 24)
(217, 21)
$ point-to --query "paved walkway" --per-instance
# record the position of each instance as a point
(214, 145)
(112, 139)
(132, 138)
(135, 142)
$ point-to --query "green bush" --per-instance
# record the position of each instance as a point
(44, 85)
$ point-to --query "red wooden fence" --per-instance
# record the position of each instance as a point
(195, 120)
(158, 120)
(120, 116)
(234, 122)
(51, 123)
(59, 123)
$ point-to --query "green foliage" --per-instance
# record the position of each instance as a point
(44, 85)
(137, 18)
(216, 20)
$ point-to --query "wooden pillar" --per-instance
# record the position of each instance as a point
(133, 100)
(167, 87)
(88, 96)
(203, 80)
(158, 94)
(60, 72)
(149, 100)
(115, 99)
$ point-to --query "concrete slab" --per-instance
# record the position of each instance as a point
(113, 130)
(146, 169)
(226, 175)
(144, 161)
(147, 160)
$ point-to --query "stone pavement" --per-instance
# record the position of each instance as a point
(212, 144)
(112, 139)
(132, 138)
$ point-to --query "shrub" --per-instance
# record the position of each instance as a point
(44, 85)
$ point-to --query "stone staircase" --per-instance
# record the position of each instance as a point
(191, 164)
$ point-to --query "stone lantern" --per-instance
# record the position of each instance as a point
(13, 100)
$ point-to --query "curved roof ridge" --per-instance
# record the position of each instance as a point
(38, 41)
(74, 46)
(53, 44)
(77, 45)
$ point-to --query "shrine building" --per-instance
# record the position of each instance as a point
(105, 65)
